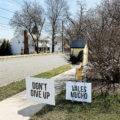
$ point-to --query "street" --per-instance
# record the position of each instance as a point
(16, 69)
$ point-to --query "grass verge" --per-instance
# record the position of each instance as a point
(103, 107)
(19, 86)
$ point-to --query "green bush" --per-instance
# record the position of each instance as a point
(75, 59)
(5, 48)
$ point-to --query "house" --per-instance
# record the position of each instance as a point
(44, 45)
(22, 45)
(79, 45)
(57, 45)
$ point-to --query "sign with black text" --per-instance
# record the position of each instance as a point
(40, 90)
(78, 91)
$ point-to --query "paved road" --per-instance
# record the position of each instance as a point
(18, 68)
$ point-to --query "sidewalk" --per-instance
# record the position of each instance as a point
(18, 107)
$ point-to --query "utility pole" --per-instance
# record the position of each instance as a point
(62, 36)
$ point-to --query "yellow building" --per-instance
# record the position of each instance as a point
(76, 47)
(79, 45)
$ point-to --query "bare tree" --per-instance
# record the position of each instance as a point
(56, 10)
(101, 27)
(104, 41)
(30, 18)
(76, 27)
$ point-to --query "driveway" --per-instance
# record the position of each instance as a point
(16, 69)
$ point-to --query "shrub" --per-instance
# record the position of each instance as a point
(5, 48)
(72, 59)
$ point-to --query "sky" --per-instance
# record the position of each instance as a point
(15, 5)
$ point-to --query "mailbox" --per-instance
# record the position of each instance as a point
(76, 47)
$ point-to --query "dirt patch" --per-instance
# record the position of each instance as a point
(99, 86)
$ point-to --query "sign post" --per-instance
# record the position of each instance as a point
(40, 90)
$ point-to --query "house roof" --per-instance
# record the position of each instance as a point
(78, 43)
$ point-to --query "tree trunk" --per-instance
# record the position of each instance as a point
(53, 37)
(37, 47)
(26, 49)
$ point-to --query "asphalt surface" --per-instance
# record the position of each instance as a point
(16, 69)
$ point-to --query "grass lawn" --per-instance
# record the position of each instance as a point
(19, 86)
(103, 107)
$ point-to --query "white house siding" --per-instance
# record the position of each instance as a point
(57, 47)
(17, 45)
(31, 45)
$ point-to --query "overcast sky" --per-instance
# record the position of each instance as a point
(13, 5)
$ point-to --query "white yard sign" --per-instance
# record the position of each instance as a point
(78, 91)
(40, 90)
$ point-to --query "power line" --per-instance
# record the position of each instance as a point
(5, 27)
(6, 10)
(4, 24)
(5, 17)
(1, 28)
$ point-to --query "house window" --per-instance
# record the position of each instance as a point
(22, 51)
(48, 49)
(55, 43)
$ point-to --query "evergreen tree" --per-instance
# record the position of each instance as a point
(8, 48)
(5, 48)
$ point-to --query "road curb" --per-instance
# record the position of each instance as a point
(29, 55)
